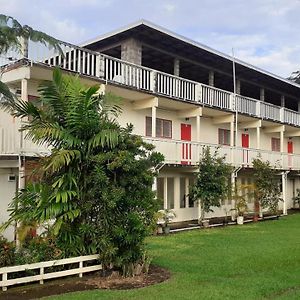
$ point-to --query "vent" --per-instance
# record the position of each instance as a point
(11, 178)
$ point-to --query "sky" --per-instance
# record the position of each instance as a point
(265, 33)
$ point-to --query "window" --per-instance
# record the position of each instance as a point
(224, 137)
(163, 128)
(275, 144)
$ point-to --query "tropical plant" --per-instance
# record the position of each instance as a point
(15, 36)
(72, 120)
(96, 186)
(267, 189)
(212, 183)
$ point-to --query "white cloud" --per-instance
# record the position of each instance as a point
(264, 33)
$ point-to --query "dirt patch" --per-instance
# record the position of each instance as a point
(90, 282)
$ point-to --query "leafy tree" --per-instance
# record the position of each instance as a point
(267, 189)
(15, 36)
(96, 186)
(73, 120)
(212, 183)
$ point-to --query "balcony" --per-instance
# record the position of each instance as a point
(116, 71)
(189, 153)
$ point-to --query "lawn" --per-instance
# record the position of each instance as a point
(255, 261)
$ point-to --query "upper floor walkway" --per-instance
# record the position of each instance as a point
(112, 70)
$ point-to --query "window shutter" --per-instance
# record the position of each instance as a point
(148, 126)
(167, 129)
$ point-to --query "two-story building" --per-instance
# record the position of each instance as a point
(180, 96)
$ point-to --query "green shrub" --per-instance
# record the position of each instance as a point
(7, 252)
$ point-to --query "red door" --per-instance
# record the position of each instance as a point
(245, 144)
(290, 149)
(186, 135)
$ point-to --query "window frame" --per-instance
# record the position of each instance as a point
(221, 131)
(149, 132)
(275, 142)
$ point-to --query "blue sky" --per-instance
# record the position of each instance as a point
(265, 33)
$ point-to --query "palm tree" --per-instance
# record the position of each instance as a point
(15, 36)
(76, 122)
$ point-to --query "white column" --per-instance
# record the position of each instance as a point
(165, 192)
(187, 191)
(282, 99)
(262, 94)
(284, 179)
(154, 185)
(153, 111)
(281, 141)
(198, 129)
(176, 67)
(232, 191)
(176, 192)
(257, 137)
(211, 78)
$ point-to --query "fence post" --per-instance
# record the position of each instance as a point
(281, 117)
(42, 273)
(4, 278)
(258, 113)
(100, 66)
(80, 267)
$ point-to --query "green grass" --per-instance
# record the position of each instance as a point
(255, 261)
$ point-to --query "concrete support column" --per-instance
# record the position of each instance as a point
(154, 185)
(284, 183)
(131, 51)
(299, 106)
(165, 192)
(238, 86)
(187, 191)
(176, 192)
(198, 129)
(176, 67)
(257, 137)
(153, 116)
(262, 94)
(233, 190)
(281, 141)
(211, 78)
(282, 99)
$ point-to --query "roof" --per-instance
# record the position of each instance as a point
(175, 40)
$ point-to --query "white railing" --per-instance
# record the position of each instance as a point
(246, 105)
(189, 153)
(118, 71)
(176, 87)
(44, 272)
(216, 97)
(269, 111)
(91, 63)
(291, 117)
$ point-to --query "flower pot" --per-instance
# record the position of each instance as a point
(240, 220)
(205, 223)
(159, 230)
(167, 230)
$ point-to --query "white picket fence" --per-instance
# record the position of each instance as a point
(7, 272)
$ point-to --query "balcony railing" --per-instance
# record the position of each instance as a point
(113, 70)
(189, 153)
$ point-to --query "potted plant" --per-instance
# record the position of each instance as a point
(166, 216)
(241, 208)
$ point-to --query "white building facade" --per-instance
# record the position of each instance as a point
(179, 96)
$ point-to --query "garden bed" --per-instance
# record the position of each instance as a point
(90, 282)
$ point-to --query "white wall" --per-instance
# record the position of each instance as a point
(8, 190)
